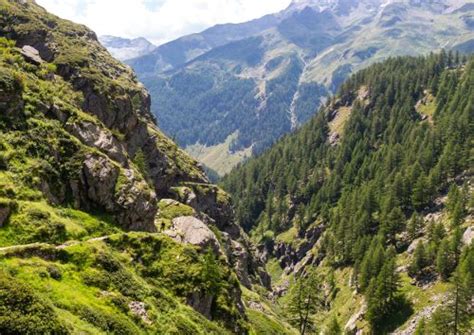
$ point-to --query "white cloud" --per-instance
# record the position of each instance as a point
(159, 20)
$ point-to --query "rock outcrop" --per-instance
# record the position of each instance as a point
(188, 229)
(109, 155)
(468, 236)
(31, 55)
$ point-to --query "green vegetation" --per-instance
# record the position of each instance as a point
(219, 158)
(454, 316)
(266, 77)
(92, 286)
(169, 210)
(304, 301)
(372, 189)
(24, 312)
(69, 190)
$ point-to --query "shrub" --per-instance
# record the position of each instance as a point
(23, 312)
(54, 272)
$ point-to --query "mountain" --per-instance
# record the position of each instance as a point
(124, 48)
(371, 203)
(106, 226)
(232, 90)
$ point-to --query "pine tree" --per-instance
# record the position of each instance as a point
(442, 259)
(381, 293)
(333, 328)
(421, 192)
(419, 259)
(421, 328)
(414, 226)
(304, 301)
(454, 317)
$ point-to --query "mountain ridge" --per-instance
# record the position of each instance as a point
(105, 224)
(124, 49)
(282, 72)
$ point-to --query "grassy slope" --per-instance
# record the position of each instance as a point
(91, 285)
(73, 292)
(84, 287)
(218, 157)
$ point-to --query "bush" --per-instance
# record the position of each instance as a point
(35, 224)
(23, 312)
(55, 272)
(110, 323)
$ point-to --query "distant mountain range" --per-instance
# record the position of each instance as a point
(232, 90)
(125, 49)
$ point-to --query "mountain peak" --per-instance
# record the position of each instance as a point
(340, 6)
(124, 48)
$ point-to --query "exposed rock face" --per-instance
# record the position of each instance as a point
(468, 236)
(120, 162)
(118, 191)
(214, 202)
(31, 55)
(100, 177)
(241, 263)
(138, 308)
(414, 244)
(351, 325)
(201, 303)
(94, 136)
(188, 229)
(293, 259)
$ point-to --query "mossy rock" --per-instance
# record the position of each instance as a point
(170, 209)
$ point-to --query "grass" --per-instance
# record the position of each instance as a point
(218, 157)
(345, 304)
(38, 221)
(288, 236)
(274, 269)
(169, 210)
(119, 279)
(339, 121)
(427, 107)
(268, 320)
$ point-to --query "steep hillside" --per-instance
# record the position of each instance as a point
(106, 226)
(235, 89)
(124, 48)
(375, 194)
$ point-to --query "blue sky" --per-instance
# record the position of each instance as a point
(159, 20)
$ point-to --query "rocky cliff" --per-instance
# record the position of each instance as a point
(82, 160)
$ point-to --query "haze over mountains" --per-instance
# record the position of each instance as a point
(124, 48)
(234, 89)
(361, 221)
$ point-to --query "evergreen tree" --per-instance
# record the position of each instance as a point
(304, 301)
(421, 193)
(381, 293)
(442, 259)
(333, 328)
(454, 317)
(414, 226)
(419, 260)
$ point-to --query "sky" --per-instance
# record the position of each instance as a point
(159, 21)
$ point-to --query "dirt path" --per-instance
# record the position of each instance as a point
(61, 246)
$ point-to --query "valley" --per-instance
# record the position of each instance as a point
(308, 172)
(267, 77)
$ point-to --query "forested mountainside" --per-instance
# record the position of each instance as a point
(233, 90)
(106, 226)
(372, 200)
